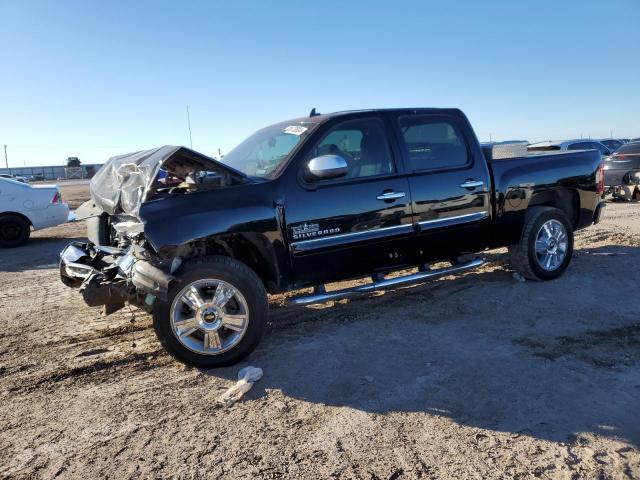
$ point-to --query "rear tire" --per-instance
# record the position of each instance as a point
(14, 230)
(540, 255)
(234, 342)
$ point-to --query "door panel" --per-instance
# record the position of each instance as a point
(450, 218)
(450, 188)
(344, 231)
(355, 225)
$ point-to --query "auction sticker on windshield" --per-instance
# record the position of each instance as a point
(295, 129)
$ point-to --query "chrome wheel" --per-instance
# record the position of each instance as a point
(209, 316)
(551, 245)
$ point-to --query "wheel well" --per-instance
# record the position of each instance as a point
(16, 214)
(565, 199)
(249, 251)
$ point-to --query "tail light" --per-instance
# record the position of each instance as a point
(620, 157)
(57, 198)
(600, 178)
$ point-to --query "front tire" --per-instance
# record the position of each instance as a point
(215, 313)
(546, 245)
(14, 231)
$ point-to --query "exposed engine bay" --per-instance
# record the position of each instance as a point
(126, 181)
(127, 269)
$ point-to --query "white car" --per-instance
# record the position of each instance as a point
(23, 206)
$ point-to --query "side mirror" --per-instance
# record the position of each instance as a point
(326, 167)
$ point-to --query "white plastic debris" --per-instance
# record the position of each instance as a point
(518, 277)
(246, 378)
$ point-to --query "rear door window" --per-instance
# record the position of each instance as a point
(432, 143)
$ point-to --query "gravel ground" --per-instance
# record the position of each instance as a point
(472, 376)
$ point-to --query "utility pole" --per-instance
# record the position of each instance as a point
(6, 160)
(189, 125)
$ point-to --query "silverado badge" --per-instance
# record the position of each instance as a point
(309, 230)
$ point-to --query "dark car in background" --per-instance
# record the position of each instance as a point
(612, 143)
(622, 172)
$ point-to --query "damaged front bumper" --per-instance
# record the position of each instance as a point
(111, 277)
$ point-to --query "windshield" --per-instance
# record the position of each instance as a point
(263, 153)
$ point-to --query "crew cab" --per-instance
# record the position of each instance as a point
(311, 201)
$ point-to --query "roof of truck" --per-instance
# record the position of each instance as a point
(317, 118)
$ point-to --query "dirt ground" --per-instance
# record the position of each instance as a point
(472, 376)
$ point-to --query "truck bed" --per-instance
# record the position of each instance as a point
(545, 176)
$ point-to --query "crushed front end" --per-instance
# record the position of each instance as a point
(112, 276)
(129, 269)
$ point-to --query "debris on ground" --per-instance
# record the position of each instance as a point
(246, 378)
(518, 277)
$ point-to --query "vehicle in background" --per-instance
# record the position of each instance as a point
(566, 145)
(506, 149)
(634, 140)
(622, 172)
(24, 206)
(14, 177)
(612, 143)
(312, 201)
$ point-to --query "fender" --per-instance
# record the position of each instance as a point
(242, 221)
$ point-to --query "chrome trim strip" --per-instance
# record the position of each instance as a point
(313, 243)
(443, 222)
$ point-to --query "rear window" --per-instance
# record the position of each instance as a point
(433, 143)
(629, 148)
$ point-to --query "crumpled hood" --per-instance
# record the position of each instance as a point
(123, 182)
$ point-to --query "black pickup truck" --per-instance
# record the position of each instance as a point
(200, 242)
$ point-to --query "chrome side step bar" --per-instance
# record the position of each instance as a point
(320, 295)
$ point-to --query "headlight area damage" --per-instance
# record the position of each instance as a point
(128, 269)
(109, 276)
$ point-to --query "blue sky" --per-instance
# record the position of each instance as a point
(95, 79)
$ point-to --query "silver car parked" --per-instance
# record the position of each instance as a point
(563, 145)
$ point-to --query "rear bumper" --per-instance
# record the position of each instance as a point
(618, 177)
(110, 277)
(51, 216)
(599, 212)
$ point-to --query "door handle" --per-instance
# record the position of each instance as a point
(390, 195)
(471, 184)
